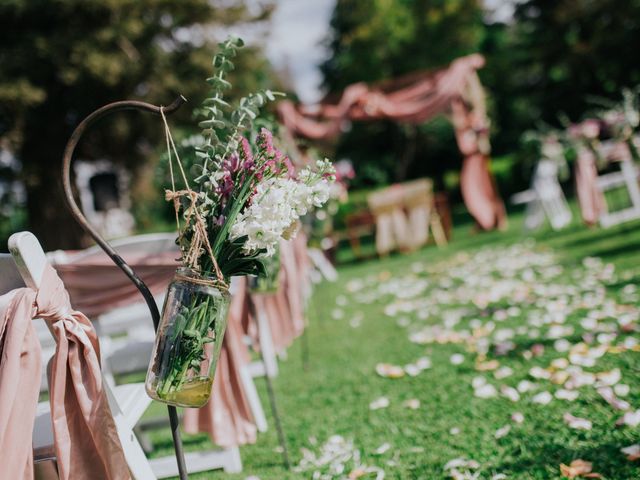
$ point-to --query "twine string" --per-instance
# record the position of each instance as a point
(200, 236)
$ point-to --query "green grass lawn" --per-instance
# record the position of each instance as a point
(496, 291)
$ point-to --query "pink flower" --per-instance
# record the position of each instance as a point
(245, 153)
(265, 142)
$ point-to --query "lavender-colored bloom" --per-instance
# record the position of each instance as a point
(232, 164)
(265, 142)
(245, 152)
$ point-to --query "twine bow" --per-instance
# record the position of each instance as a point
(200, 239)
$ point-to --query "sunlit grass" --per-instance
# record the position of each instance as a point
(333, 396)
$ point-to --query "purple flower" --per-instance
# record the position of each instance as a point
(245, 153)
(265, 142)
(232, 163)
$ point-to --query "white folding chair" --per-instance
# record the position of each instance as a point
(545, 198)
(128, 339)
(127, 402)
(626, 177)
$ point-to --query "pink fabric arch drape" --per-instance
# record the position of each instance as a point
(590, 198)
(417, 98)
(85, 436)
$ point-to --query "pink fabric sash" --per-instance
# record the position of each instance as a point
(414, 99)
(20, 365)
(86, 440)
(96, 285)
(590, 198)
(227, 417)
(476, 182)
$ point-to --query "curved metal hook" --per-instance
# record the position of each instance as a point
(73, 206)
(117, 259)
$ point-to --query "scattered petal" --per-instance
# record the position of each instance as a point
(510, 392)
(610, 397)
(542, 398)
(382, 449)
(389, 371)
(486, 391)
(630, 419)
(502, 432)
(632, 452)
(412, 403)
(577, 422)
(457, 359)
(578, 468)
(378, 403)
(517, 417)
(569, 395)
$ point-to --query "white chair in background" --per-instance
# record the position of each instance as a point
(626, 177)
(545, 198)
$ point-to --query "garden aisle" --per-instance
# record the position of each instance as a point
(512, 357)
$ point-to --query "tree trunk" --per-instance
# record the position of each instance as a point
(41, 155)
(408, 153)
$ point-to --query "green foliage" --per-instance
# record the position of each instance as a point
(223, 126)
(62, 59)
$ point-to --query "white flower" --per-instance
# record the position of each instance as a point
(278, 203)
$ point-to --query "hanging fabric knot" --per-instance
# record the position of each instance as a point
(52, 303)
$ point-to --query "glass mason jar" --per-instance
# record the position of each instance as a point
(188, 341)
(271, 282)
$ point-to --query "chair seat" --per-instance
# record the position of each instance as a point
(132, 400)
(129, 355)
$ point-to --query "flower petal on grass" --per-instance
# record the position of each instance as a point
(632, 452)
(630, 419)
(502, 432)
(577, 422)
(486, 391)
(610, 397)
(578, 469)
(412, 403)
(456, 359)
(542, 398)
(389, 371)
(378, 403)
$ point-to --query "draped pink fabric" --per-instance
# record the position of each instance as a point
(20, 365)
(86, 440)
(414, 99)
(294, 281)
(96, 285)
(590, 198)
(227, 417)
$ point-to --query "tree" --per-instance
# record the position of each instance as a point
(62, 59)
(575, 50)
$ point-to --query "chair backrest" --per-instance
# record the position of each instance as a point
(9, 276)
(149, 243)
(29, 258)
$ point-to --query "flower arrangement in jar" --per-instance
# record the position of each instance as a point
(246, 196)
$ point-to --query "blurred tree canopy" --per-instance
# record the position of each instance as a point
(545, 63)
(61, 59)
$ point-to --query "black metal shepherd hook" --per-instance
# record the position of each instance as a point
(117, 259)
